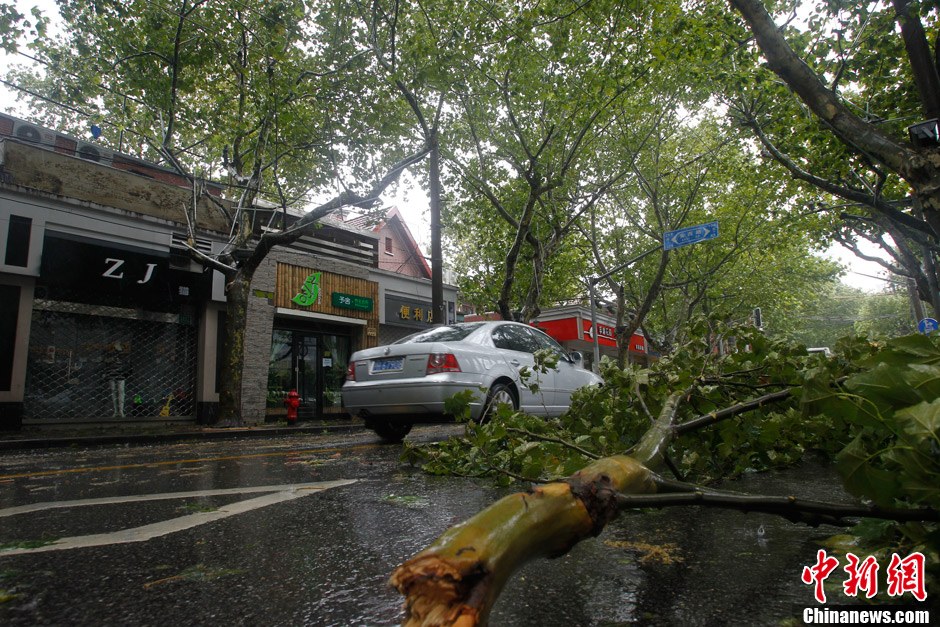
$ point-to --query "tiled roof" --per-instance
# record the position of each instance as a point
(363, 222)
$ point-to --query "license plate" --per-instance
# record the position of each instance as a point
(388, 365)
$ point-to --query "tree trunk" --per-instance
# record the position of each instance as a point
(512, 257)
(233, 349)
(639, 316)
(623, 343)
(437, 256)
(921, 59)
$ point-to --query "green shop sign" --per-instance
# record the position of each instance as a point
(309, 291)
(349, 301)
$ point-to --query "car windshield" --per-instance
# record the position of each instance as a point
(450, 333)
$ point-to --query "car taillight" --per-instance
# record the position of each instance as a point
(351, 371)
(442, 362)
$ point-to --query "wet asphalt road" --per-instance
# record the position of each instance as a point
(322, 554)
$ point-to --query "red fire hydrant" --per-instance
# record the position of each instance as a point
(292, 402)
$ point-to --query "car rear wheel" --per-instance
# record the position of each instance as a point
(499, 393)
(391, 432)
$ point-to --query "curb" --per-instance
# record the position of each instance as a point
(58, 441)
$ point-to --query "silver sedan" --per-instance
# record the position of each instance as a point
(392, 387)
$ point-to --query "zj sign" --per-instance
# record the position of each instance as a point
(118, 275)
(115, 270)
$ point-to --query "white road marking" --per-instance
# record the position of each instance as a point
(276, 494)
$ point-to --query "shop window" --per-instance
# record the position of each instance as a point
(106, 362)
(9, 308)
(18, 235)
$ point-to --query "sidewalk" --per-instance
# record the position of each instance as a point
(91, 434)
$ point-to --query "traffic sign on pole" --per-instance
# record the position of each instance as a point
(690, 235)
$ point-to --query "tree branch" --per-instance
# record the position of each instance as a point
(868, 199)
(850, 129)
(545, 438)
(813, 513)
(728, 412)
(345, 199)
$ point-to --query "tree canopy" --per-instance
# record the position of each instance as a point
(835, 99)
(571, 135)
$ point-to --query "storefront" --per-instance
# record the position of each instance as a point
(320, 318)
(573, 328)
(113, 333)
(405, 315)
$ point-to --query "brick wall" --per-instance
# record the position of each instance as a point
(402, 259)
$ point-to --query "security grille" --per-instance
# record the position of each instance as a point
(88, 362)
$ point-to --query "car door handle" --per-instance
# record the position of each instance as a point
(514, 362)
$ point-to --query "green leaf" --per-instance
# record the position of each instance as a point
(885, 385)
(925, 379)
(524, 448)
(921, 421)
(862, 478)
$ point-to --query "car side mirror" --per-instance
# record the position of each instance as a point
(576, 359)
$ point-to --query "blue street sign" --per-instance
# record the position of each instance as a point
(690, 235)
(927, 325)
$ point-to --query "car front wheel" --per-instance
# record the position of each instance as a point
(391, 432)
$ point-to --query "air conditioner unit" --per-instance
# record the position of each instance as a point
(33, 134)
(93, 152)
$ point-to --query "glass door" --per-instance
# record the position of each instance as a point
(314, 364)
(293, 366)
(305, 373)
(334, 357)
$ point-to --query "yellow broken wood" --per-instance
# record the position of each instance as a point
(457, 579)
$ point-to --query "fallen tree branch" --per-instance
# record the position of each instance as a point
(813, 513)
(456, 580)
(547, 438)
(652, 447)
(728, 412)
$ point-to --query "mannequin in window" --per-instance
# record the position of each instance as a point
(116, 370)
